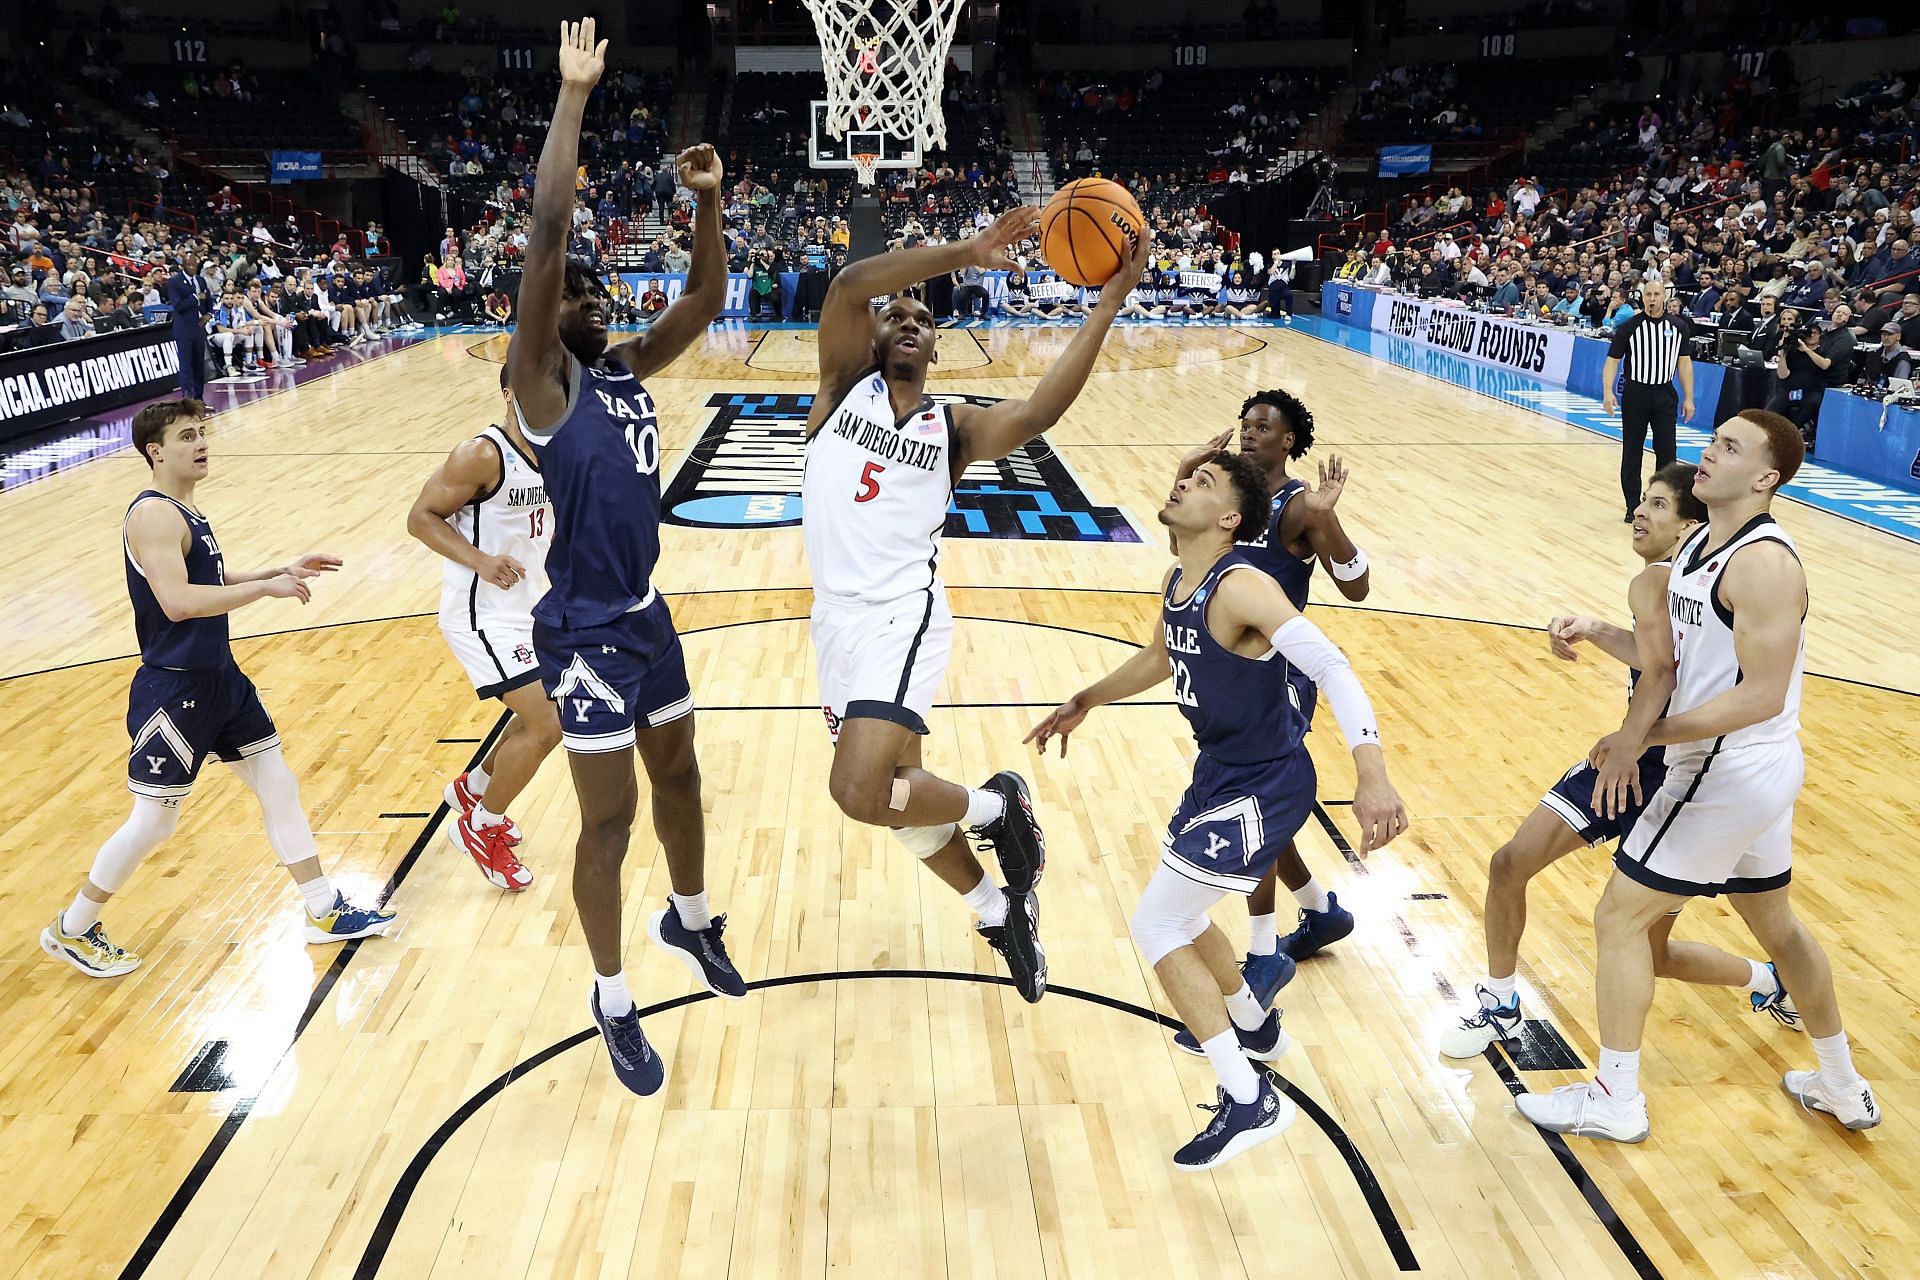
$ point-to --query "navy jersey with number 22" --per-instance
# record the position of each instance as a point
(193, 644)
(602, 467)
(1238, 706)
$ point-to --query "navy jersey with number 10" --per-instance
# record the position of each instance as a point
(194, 644)
(1238, 706)
(601, 463)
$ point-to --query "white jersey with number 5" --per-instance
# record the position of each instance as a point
(514, 519)
(875, 496)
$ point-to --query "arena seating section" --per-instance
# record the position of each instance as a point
(287, 110)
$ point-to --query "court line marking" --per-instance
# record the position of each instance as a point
(1392, 1234)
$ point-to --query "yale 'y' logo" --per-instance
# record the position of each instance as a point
(1215, 844)
(580, 706)
(154, 763)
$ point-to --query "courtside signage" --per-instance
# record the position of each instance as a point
(56, 383)
(1508, 344)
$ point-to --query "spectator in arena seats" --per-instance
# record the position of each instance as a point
(1506, 287)
(1887, 360)
(1568, 304)
(653, 300)
(498, 308)
(1619, 310)
(1378, 273)
(970, 289)
(20, 287)
(1909, 318)
(1707, 301)
(74, 321)
(676, 258)
(1808, 288)
(1735, 312)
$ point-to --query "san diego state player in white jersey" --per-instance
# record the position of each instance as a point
(1302, 530)
(882, 460)
(485, 510)
(1227, 638)
(190, 699)
(1727, 709)
(608, 653)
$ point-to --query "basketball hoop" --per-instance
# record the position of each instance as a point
(864, 163)
(884, 59)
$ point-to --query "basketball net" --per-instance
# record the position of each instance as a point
(884, 60)
(864, 165)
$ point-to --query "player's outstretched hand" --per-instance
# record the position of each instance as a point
(1121, 283)
(288, 587)
(313, 564)
(1333, 479)
(1060, 723)
(503, 572)
(993, 248)
(1563, 633)
(699, 167)
(1377, 808)
(581, 58)
(1194, 459)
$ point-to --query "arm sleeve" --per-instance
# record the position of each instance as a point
(1307, 647)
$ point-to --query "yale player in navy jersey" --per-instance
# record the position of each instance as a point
(1222, 637)
(1302, 530)
(189, 698)
(1569, 816)
(608, 653)
(882, 460)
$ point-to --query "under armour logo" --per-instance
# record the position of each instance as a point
(607, 648)
(580, 706)
(1214, 843)
(154, 763)
(186, 706)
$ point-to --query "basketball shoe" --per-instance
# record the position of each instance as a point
(1267, 974)
(1237, 1127)
(1493, 1021)
(491, 848)
(1855, 1110)
(344, 921)
(92, 953)
(1020, 847)
(1318, 929)
(1018, 942)
(1779, 1006)
(1586, 1110)
(702, 950)
(463, 799)
(1264, 1043)
(635, 1063)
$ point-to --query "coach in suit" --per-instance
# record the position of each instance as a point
(187, 294)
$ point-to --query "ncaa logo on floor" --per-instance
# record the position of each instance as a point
(746, 469)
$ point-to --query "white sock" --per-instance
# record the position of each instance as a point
(1505, 988)
(477, 779)
(1836, 1061)
(983, 807)
(1263, 934)
(1231, 1065)
(693, 909)
(485, 817)
(614, 1000)
(1761, 981)
(988, 902)
(80, 917)
(319, 895)
(1245, 1010)
(1619, 1073)
(1311, 896)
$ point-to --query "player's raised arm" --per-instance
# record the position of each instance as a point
(706, 293)
(534, 357)
(155, 535)
(471, 469)
(998, 430)
(1346, 563)
(1255, 601)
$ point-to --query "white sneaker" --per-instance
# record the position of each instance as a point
(1494, 1021)
(1586, 1110)
(1810, 1089)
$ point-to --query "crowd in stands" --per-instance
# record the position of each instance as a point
(1763, 231)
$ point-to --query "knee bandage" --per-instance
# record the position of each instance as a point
(924, 842)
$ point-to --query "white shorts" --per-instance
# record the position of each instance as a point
(498, 657)
(882, 661)
(1722, 823)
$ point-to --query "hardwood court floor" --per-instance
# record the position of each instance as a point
(372, 1120)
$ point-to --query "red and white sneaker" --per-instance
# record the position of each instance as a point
(461, 798)
(491, 848)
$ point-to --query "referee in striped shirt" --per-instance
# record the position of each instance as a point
(1654, 345)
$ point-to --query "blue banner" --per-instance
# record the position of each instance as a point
(286, 166)
(1397, 161)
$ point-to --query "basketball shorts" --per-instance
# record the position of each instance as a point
(1721, 823)
(1572, 799)
(497, 657)
(1235, 819)
(882, 661)
(610, 680)
(177, 718)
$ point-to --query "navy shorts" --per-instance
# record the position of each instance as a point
(610, 679)
(1302, 692)
(1572, 799)
(177, 718)
(1236, 818)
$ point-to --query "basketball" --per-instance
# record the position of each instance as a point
(1088, 229)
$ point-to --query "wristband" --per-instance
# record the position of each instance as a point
(1347, 571)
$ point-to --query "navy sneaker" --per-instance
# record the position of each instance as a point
(1264, 1043)
(634, 1061)
(702, 949)
(1318, 929)
(1015, 837)
(1237, 1127)
(1267, 974)
(1018, 942)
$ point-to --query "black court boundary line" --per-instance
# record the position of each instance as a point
(391, 1216)
(183, 1196)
